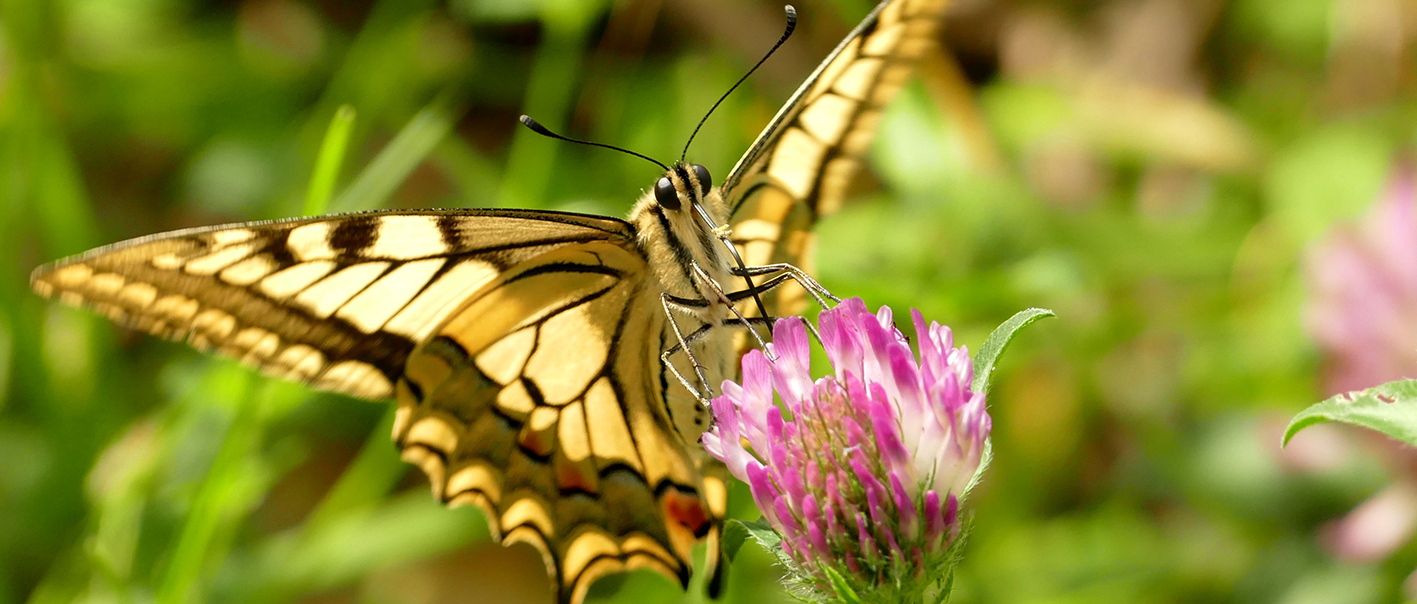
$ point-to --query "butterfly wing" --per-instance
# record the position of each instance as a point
(516, 342)
(798, 169)
(336, 301)
(534, 403)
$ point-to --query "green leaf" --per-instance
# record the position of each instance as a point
(984, 362)
(995, 344)
(843, 591)
(985, 458)
(1390, 408)
(327, 163)
(944, 595)
(735, 532)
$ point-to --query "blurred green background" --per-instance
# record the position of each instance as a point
(1153, 170)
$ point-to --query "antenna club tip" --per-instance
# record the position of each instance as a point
(535, 126)
(791, 12)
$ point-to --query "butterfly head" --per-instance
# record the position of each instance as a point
(683, 183)
(678, 221)
(685, 194)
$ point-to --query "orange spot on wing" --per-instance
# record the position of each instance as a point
(688, 511)
(570, 476)
(537, 443)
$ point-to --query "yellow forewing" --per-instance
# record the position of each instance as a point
(798, 169)
(336, 301)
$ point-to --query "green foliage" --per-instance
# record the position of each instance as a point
(1390, 409)
(737, 532)
(398, 159)
(327, 163)
(997, 342)
(984, 361)
(843, 590)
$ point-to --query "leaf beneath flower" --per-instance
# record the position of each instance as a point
(1390, 408)
(735, 532)
(944, 595)
(843, 591)
(985, 458)
(996, 343)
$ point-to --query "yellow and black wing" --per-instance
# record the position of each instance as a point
(798, 169)
(518, 344)
(337, 301)
(540, 401)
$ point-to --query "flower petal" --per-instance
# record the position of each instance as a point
(792, 375)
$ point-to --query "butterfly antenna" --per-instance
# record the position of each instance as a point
(791, 25)
(539, 129)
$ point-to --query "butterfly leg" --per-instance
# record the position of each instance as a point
(700, 333)
(691, 307)
(695, 307)
(723, 236)
(744, 321)
(713, 286)
(818, 293)
(764, 287)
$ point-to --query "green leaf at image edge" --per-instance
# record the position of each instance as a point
(995, 344)
(1390, 408)
(735, 532)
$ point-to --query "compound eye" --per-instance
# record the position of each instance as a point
(665, 194)
(705, 181)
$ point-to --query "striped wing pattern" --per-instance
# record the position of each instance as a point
(515, 342)
(338, 302)
(533, 403)
(798, 169)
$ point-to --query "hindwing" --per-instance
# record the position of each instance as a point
(534, 403)
(798, 169)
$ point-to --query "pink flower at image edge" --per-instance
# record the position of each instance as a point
(1362, 312)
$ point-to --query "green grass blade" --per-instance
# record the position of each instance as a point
(411, 526)
(213, 502)
(328, 162)
(400, 157)
(369, 478)
(531, 161)
(843, 589)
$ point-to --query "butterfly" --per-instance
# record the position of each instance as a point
(532, 354)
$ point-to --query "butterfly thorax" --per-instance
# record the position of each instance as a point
(684, 252)
(687, 260)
